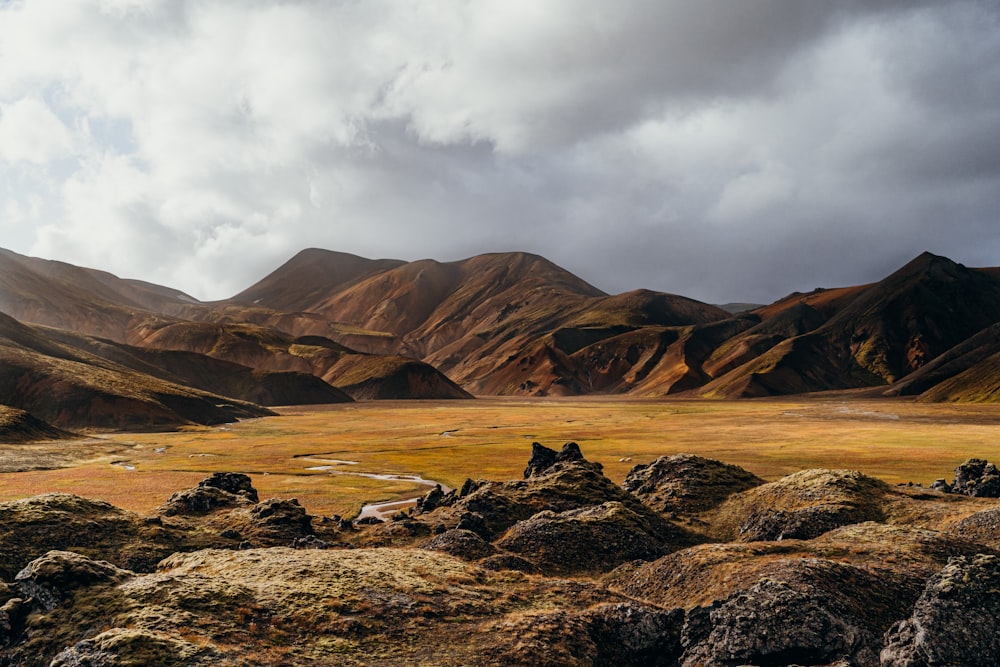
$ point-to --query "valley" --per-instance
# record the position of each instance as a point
(448, 441)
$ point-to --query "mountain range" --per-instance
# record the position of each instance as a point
(81, 348)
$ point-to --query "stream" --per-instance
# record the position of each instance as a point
(378, 510)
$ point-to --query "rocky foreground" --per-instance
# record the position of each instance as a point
(689, 562)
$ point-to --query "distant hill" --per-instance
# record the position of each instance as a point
(517, 324)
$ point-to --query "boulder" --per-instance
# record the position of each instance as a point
(977, 477)
(592, 539)
(543, 458)
(221, 490)
(58, 574)
(956, 621)
(803, 505)
(687, 484)
(805, 611)
(460, 543)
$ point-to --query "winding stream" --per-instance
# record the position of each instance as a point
(378, 510)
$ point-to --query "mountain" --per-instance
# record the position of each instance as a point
(873, 335)
(71, 388)
(501, 323)
(17, 426)
(517, 324)
(142, 315)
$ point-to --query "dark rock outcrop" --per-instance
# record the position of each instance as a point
(956, 621)
(56, 575)
(807, 611)
(803, 505)
(977, 477)
(592, 539)
(686, 483)
(460, 543)
(543, 458)
(221, 490)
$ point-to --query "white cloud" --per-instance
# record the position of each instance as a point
(201, 142)
(30, 132)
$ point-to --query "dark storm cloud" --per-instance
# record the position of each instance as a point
(722, 150)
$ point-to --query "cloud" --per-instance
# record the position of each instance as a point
(723, 150)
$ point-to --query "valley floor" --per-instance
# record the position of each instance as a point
(306, 451)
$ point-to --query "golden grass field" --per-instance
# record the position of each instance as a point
(490, 438)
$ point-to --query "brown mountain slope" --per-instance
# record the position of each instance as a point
(203, 372)
(887, 331)
(17, 426)
(496, 324)
(70, 388)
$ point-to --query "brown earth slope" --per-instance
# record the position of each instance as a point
(71, 388)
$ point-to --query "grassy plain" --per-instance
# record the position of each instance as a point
(449, 441)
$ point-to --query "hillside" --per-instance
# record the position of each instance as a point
(517, 324)
(70, 388)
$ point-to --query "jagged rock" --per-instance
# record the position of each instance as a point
(463, 544)
(281, 518)
(310, 542)
(221, 490)
(593, 539)
(541, 459)
(956, 621)
(567, 484)
(433, 499)
(501, 561)
(807, 611)
(977, 477)
(475, 522)
(12, 616)
(57, 574)
(687, 484)
(802, 505)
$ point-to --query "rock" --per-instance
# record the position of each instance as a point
(310, 542)
(12, 616)
(687, 484)
(281, 519)
(941, 485)
(542, 458)
(431, 500)
(460, 543)
(627, 633)
(569, 483)
(236, 483)
(982, 526)
(58, 574)
(977, 477)
(474, 521)
(593, 539)
(956, 621)
(806, 612)
(501, 561)
(801, 506)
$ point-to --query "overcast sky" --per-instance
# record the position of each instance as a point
(721, 149)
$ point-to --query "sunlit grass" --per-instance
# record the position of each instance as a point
(449, 441)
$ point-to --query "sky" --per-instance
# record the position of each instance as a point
(724, 150)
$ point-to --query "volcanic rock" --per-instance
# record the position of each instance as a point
(802, 506)
(956, 621)
(686, 483)
(460, 543)
(592, 539)
(55, 576)
(221, 490)
(977, 477)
